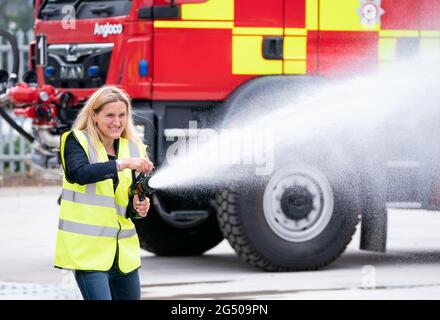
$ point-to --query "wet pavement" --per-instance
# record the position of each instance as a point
(409, 269)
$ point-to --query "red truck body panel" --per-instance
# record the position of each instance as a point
(195, 62)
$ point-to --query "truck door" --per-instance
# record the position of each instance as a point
(258, 37)
(214, 46)
(192, 52)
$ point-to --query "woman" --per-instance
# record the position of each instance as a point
(96, 238)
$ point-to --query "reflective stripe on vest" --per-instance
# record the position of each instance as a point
(91, 198)
(96, 231)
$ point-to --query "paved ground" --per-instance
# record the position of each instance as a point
(409, 270)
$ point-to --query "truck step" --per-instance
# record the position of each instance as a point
(189, 214)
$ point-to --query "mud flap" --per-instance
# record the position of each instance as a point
(374, 215)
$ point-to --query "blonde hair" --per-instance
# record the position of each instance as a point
(95, 103)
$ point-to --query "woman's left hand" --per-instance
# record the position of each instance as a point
(141, 207)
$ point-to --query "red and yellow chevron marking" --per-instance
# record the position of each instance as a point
(320, 36)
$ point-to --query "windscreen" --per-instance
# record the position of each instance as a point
(83, 9)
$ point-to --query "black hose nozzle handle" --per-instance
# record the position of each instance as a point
(141, 186)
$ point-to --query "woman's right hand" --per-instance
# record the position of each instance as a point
(138, 164)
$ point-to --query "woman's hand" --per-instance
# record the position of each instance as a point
(141, 207)
(138, 164)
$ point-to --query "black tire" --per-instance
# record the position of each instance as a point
(242, 220)
(162, 239)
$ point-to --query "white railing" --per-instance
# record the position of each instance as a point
(14, 149)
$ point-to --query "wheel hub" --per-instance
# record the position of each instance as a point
(296, 202)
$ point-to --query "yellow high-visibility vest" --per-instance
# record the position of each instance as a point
(92, 224)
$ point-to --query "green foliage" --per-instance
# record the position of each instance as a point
(16, 15)
(16, 151)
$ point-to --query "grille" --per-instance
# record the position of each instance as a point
(68, 65)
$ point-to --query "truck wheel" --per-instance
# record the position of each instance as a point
(164, 239)
(300, 219)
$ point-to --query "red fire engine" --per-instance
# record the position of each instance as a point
(199, 60)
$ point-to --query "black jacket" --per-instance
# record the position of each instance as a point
(80, 171)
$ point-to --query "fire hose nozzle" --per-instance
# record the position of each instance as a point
(141, 186)
(145, 185)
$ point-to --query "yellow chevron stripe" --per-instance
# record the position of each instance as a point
(312, 14)
(295, 48)
(341, 15)
(295, 32)
(295, 67)
(194, 24)
(209, 10)
(257, 31)
(247, 57)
